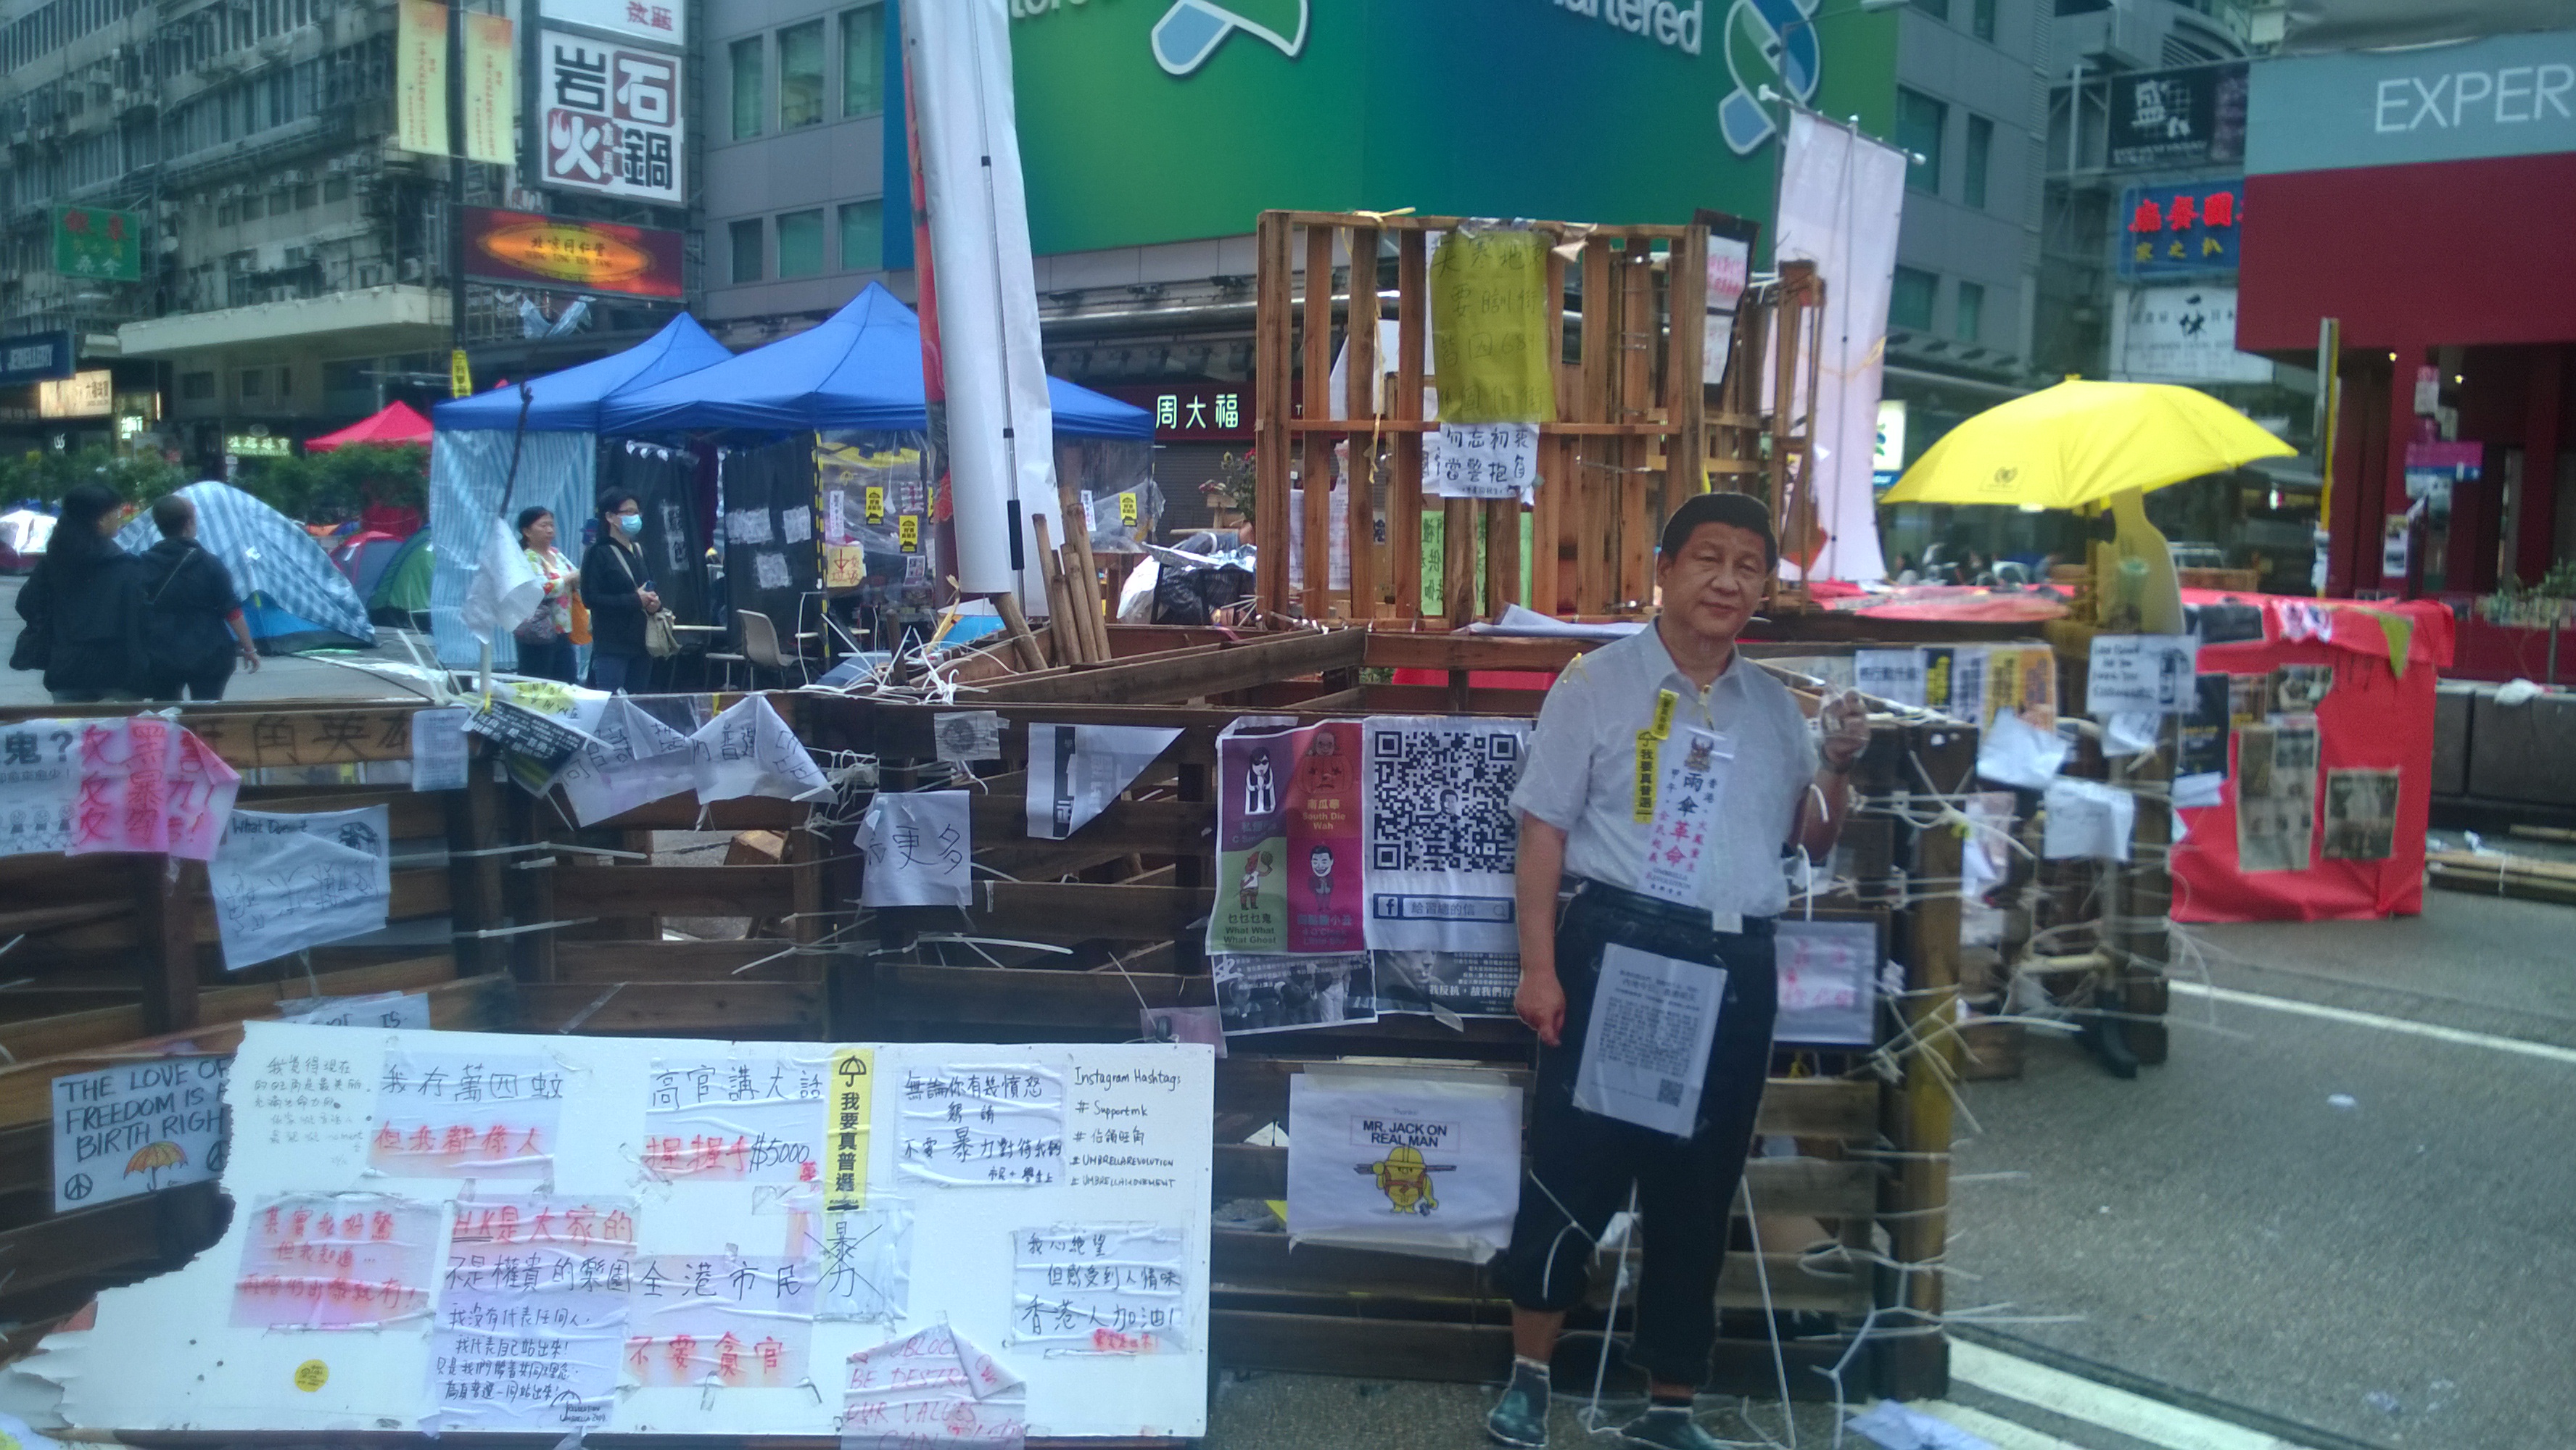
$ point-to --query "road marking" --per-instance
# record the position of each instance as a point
(2135, 1416)
(2547, 1052)
(2000, 1433)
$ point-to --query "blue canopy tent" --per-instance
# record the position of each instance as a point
(558, 463)
(860, 370)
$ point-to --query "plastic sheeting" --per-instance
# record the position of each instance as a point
(773, 553)
(467, 473)
(2371, 719)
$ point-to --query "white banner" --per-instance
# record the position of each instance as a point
(1840, 197)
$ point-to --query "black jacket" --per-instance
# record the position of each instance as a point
(611, 577)
(188, 594)
(90, 611)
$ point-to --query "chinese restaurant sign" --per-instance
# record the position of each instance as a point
(570, 255)
(610, 119)
(89, 242)
(2172, 230)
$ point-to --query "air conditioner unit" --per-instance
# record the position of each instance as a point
(337, 164)
(272, 256)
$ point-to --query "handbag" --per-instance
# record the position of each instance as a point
(661, 627)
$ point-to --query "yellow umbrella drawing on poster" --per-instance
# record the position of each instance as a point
(151, 1158)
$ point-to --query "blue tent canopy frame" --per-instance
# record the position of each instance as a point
(570, 401)
(859, 370)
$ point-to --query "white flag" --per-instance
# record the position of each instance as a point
(505, 590)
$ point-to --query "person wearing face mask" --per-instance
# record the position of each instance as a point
(619, 595)
(1667, 776)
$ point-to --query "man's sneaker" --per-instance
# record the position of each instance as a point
(1667, 1427)
(1519, 1419)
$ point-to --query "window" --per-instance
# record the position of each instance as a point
(1919, 123)
(863, 62)
(253, 208)
(747, 87)
(226, 214)
(280, 202)
(336, 189)
(746, 250)
(1972, 310)
(303, 196)
(1981, 19)
(1981, 145)
(862, 235)
(800, 75)
(286, 382)
(196, 387)
(800, 243)
(1909, 301)
(253, 382)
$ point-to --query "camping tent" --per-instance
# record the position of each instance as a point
(861, 369)
(401, 592)
(557, 463)
(23, 536)
(398, 423)
(292, 595)
(362, 557)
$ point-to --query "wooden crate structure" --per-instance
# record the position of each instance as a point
(1114, 923)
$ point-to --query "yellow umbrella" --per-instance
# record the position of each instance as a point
(2080, 442)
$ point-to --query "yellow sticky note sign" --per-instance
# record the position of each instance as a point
(907, 533)
(1491, 328)
(1127, 509)
(876, 505)
(460, 375)
(854, 1077)
(1644, 809)
(1665, 701)
(844, 565)
(312, 1375)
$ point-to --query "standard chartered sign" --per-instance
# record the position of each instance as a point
(1768, 42)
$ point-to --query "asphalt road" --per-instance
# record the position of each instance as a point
(280, 677)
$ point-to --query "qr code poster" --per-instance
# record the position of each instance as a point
(1440, 835)
(1289, 863)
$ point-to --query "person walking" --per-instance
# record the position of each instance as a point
(1665, 779)
(619, 595)
(194, 629)
(83, 606)
(545, 640)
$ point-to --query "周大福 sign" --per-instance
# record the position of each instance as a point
(570, 255)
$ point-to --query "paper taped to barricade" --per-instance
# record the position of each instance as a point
(633, 760)
(1075, 771)
(918, 847)
(1645, 1050)
(1425, 1163)
(2088, 818)
(282, 883)
(1441, 841)
(748, 750)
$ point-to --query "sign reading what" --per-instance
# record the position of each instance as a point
(562, 253)
(92, 242)
(2174, 230)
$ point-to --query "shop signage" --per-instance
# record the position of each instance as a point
(1191, 412)
(2505, 95)
(491, 90)
(569, 255)
(90, 394)
(34, 356)
(258, 445)
(2181, 335)
(92, 242)
(420, 77)
(611, 119)
(1887, 459)
(2173, 230)
(2193, 117)
(664, 21)
(1146, 121)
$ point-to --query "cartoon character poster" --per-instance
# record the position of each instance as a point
(1288, 840)
(1417, 1164)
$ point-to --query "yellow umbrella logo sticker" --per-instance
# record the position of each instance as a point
(151, 1158)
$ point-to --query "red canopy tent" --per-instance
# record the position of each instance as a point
(398, 423)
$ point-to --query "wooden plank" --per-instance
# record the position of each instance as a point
(1800, 1107)
(602, 962)
(1558, 230)
(1458, 561)
(1346, 1340)
(1547, 502)
(1154, 828)
(1032, 998)
(682, 813)
(475, 892)
(581, 891)
(1390, 649)
(1360, 404)
(1917, 1115)
(1199, 675)
(164, 888)
(94, 1243)
(1595, 458)
(274, 737)
(1271, 367)
(1240, 1260)
(1442, 700)
(1685, 392)
(1404, 483)
(1316, 461)
(1824, 1187)
(1502, 554)
(1112, 913)
(29, 1041)
(1632, 509)
(731, 1008)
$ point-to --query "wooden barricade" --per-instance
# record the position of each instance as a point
(1629, 405)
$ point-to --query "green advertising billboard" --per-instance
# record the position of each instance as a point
(1145, 121)
(93, 242)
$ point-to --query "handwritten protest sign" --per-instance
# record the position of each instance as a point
(282, 883)
(136, 1128)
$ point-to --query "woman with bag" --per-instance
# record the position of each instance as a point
(545, 640)
(84, 607)
(620, 597)
(195, 631)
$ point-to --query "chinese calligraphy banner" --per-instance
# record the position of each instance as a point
(420, 78)
(91, 242)
(1052, 1272)
(1289, 862)
(609, 119)
(491, 90)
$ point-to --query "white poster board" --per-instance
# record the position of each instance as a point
(137, 1127)
(2143, 673)
(721, 1252)
(1424, 1164)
